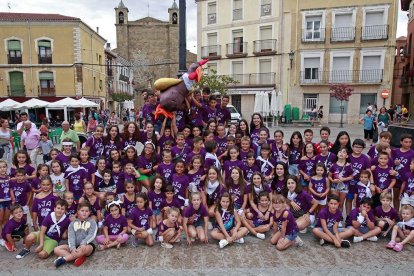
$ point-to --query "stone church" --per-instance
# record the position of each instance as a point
(150, 44)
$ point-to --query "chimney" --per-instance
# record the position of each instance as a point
(97, 30)
(108, 46)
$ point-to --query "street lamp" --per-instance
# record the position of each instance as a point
(291, 56)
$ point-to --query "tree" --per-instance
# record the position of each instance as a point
(121, 97)
(341, 92)
(217, 83)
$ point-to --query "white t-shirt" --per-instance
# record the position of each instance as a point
(19, 125)
(58, 182)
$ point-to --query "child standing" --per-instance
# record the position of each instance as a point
(6, 194)
(196, 174)
(266, 164)
(43, 203)
(250, 167)
(236, 187)
(364, 188)
(115, 228)
(307, 165)
(213, 189)
(139, 221)
(319, 185)
(75, 176)
(407, 187)
(180, 183)
(45, 146)
(232, 163)
(58, 178)
(156, 196)
(403, 232)
(81, 234)
(383, 177)
(87, 164)
(166, 167)
(195, 220)
(22, 190)
(129, 198)
(295, 152)
(325, 157)
(211, 158)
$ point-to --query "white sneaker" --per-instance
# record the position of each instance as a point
(304, 231)
(150, 231)
(223, 243)
(358, 239)
(2, 242)
(261, 236)
(166, 245)
(210, 226)
(298, 241)
(373, 239)
(322, 242)
(241, 240)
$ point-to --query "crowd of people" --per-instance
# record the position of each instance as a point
(200, 178)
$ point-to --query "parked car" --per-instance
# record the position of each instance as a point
(235, 114)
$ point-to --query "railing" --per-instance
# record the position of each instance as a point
(264, 47)
(123, 78)
(237, 14)
(236, 49)
(311, 35)
(343, 34)
(14, 60)
(260, 79)
(16, 90)
(211, 18)
(46, 59)
(375, 32)
(342, 76)
(47, 91)
(109, 72)
(211, 51)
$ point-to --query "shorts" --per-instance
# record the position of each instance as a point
(304, 182)
(368, 133)
(48, 243)
(361, 229)
(339, 187)
(199, 223)
(322, 201)
(5, 205)
(331, 229)
(156, 212)
(145, 177)
(19, 233)
(293, 169)
(93, 249)
(407, 200)
(25, 209)
(292, 236)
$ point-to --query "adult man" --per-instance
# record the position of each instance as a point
(20, 125)
(30, 139)
(71, 134)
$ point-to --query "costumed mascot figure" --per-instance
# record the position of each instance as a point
(174, 91)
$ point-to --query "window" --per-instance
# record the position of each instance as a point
(266, 43)
(341, 71)
(375, 24)
(343, 29)
(266, 8)
(371, 69)
(16, 87)
(237, 9)
(367, 99)
(15, 53)
(310, 100)
(335, 106)
(121, 18)
(238, 42)
(100, 60)
(313, 28)
(211, 67)
(211, 13)
(265, 75)
(237, 71)
(212, 44)
(236, 102)
(47, 85)
(45, 51)
(100, 84)
(311, 66)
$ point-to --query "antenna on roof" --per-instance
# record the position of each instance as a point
(9, 6)
(148, 4)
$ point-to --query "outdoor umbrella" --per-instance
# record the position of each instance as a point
(258, 103)
(279, 102)
(86, 103)
(8, 105)
(266, 107)
(66, 102)
(273, 103)
(32, 103)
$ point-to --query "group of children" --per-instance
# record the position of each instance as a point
(217, 183)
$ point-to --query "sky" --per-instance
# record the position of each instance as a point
(101, 13)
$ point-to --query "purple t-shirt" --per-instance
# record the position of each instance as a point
(195, 178)
(95, 146)
(327, 160)
(266, 168)
(141, 218)
(11, 225)
(221, 144)
(256, 190)
(223, 115)
(53, 231)
(380, 213)
(145, 163)
(128, 205)
(278, 153)
(409, 183)
(5, 194)
(148, 112)
(319, 186)
(405, 160)
(330, 218)
(29, 170)
(256, 220)
(372, 152)
(174, 203)
(195, 216)
(304, 201)
(382, 177)
(180, 184)
(196, 116)
(209, 113)
(166, 171)
(21, 190)
(163, 139)
(72, 210)
(307, 166)
(190, 155)
(90, 170)
(64, 160)
(156, 199)
(128, 142)
(358, 164)
(361, 192)
(229, 165)
(119, 180)
(354, 216)
(76, 181)
(295, 155)
(180, 153)
(228, 219)
(254, 135)
(243, 155)
(44, 206)
(291, 226)
(115, 225)
(237, 195)
(110, 145)
(180, 119)
(248, 172)
(35, 183)
(341, 171)
(278, 185)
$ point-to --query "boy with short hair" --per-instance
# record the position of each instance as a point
(385, 215)
(211, 158)
(45, 146)
(308, 135)
(15, 228)
(384, 137)
(324, 133)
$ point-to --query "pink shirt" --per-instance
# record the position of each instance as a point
(31, 138)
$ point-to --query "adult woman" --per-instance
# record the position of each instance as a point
(92, 124)
(243, 127)
(255, 125)
(384, 119)
(5, 145)
(79, 125)
(368, 121)
(112, 140)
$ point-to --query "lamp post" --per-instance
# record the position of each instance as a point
(182, 53)
(291, 57)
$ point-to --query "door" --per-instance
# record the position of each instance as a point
(343, 29)
(265, 43)
(341, 70)
(16, 84)
(310, 100)
(371, 71)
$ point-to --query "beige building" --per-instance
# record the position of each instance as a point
(341, 41)
(49, 56)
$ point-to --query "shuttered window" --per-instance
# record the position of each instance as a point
(46, 76)
(13, 45)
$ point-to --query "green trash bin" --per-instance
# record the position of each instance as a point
(295, 113)
(287, 112)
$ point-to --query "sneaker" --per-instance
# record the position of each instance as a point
(134, 242)
(345, 244)
(59, 261)
(166, 245)
(303, 231)
(23, 253)
(241, 240)
(373, 239)
(298, 241)
(8, 246)
(2, 242)
(398, 247)
(261, 236)
(79, 261)
(358, 239)
(210, 226)
(321, 241)
(391, 245)
(150, 231)
(223, 243)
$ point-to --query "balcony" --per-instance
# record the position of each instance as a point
(264, 47)
(14, 60)
(343, 34)
(375, 32)
(312, 35)
(46, 91)
(45, 59)
(256, 80)
(237, 14)
(211, 52)
(123, 78)
(236, 50)
(373, 76)
(16, 90)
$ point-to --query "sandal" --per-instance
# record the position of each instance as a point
(398, 247)
(391, 245)
(102, 247)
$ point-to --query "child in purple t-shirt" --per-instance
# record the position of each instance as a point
(403, 232)
(195, 220)
(115, 228)
(383, 176)
(259, 218)
(364, 187)
(166, 167)
(156, 196)
(196, 174)
(139, 221)
(76, 177)
(385, 215)
(22, 190)
(15, 228)
(169, 230)
(43, 203)
(6, 193)
(180, 183)
(319, 185)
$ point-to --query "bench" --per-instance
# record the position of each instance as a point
(296, 123)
